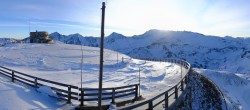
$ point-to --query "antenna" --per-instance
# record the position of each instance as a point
(29, 25)
(81, 104)
(81, 62)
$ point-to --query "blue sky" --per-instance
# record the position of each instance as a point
(128, 17)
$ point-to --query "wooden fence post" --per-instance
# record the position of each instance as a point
(113, 96)
(150, 105)
(69, 94)
(176, 92)
(36, 85)
(136, 92)
(166, 100)
(186, 81)
(82, 97)
(12, 76)
(182, 85)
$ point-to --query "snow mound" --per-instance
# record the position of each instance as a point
(47, 90)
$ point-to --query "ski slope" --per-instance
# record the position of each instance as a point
(62, 63)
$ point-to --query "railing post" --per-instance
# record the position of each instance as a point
(113, 96)
(176, 92)
(186, 81)
(136, 92)
(12, 76)
(182, 85)
(166, 100)
(150, 105)
(36, 85)
(69, 94)
(82, 97)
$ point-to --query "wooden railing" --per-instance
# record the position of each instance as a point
(163, 98)
(64, 91)
(69, 92)
(91, 94)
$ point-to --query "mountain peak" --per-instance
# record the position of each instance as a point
(55, 33)
(115, 35)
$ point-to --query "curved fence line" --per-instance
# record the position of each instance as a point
(164, 96)
(69, 92)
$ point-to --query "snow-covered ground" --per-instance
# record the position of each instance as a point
(21, 97)
(62, 63)
(235, 87)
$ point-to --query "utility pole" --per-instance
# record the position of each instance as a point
(101, 58)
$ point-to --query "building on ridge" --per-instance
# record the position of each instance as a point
(40, 37)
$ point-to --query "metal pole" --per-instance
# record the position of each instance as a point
(81, 75)
(101, 58)
(139, 81)
(181, 69)
(81, 63)
(117, 56)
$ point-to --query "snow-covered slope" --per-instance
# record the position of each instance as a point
(61, 62)
(235, 88)
(201, 51)
(228, 54)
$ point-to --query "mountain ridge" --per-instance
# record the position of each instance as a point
(200, 50)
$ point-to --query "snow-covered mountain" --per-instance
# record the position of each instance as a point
(225, 60)
(75, 39)
(202, 51)
(4, 41)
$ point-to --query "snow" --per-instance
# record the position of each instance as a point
(21, 97)
(47, 90)
(61, 62)
(112, 107)
(225, 60)
(235, 89)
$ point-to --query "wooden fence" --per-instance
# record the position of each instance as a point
(69, 92)
(163, 98)
(64, 91)
(91, 94)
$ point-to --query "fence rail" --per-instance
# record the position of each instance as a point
(69, 92)
(64, 91)
(91, 94)
(164, 96)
